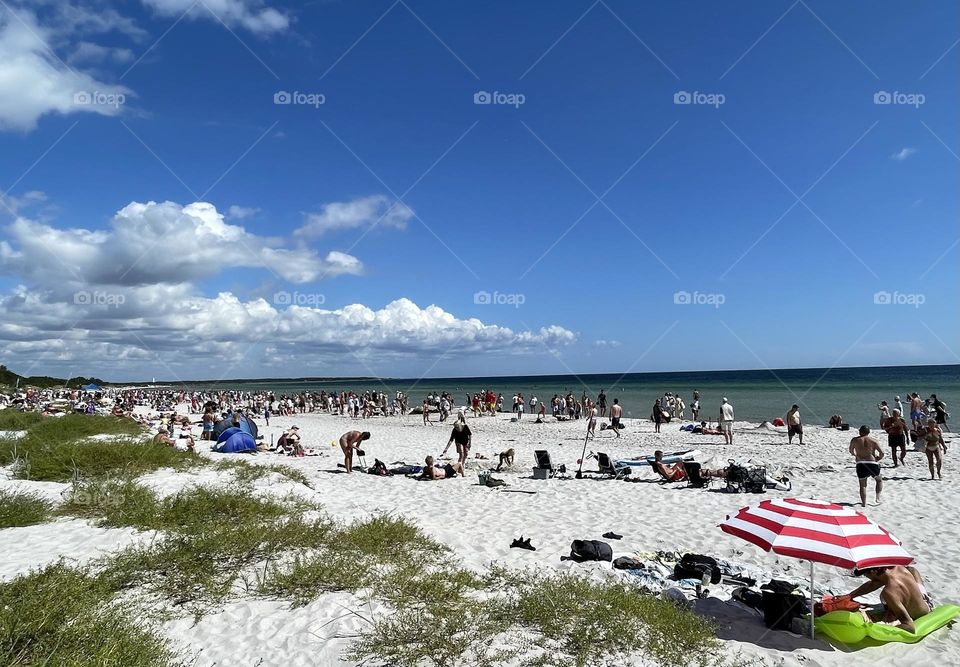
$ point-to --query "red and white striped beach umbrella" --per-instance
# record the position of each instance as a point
(817, 531)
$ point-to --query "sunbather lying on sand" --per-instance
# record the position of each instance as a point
(432, 471)
(677, 472)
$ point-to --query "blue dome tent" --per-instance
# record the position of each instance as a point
(237, 442)
(91, 387)
(247, 425)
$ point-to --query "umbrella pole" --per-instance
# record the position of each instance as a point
(811, 600)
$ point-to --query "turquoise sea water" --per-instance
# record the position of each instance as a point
(756, 394)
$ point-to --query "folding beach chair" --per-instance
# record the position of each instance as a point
(612, 468)
(544, 468)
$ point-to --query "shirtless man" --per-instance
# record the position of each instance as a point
(350, 441)
(896, 428)
(903, 594)
(867, 453)
(916, 415)
(432, 471)
(616, 411)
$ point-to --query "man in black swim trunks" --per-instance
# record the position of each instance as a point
(432, 471)
(615, 413)
(867, 453)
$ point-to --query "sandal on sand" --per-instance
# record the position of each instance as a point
(612, 536)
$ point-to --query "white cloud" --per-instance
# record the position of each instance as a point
(606, 343)
(88, 52)
(249, 14)
(241, 212)
(363, 212)
(195, 239)
(34, 82)
(903, 154)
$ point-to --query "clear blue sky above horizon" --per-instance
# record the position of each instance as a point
(792, 208)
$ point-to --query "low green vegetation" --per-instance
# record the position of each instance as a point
(245, 472)
(14, 420)
(23, 509)
(68, 617)
(60, 449)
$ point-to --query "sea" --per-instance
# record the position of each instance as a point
(757, 395)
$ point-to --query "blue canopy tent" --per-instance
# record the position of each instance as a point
(91, 387)
(236, 442)
(246, 425)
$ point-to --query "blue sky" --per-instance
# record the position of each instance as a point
(788, 203)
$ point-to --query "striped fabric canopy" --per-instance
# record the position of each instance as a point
(818, 532)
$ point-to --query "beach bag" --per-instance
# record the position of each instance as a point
(781, 604)
(379, 468)
(736, 477)
(695, 566)
(693, 474)
(586, 550)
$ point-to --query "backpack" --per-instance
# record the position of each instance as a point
(379, 468)
(781, 604)
(694, 566)
(584, 550)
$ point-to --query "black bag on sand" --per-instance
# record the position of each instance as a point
(584, 550)
(781, 604)
(695, 566)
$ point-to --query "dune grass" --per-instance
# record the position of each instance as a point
(58, 449)
(67, 617)
(246, 472)
(558, 619)
(14, 420)
(19, 508)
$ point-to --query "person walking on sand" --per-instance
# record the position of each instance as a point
(657, 416)
(350, 441)
(867, 453)
(933, 444)
(602, 403)
(794, 425)
(426, 413)
(896, 428)
(940, 409)
(616, 411)
(463, 438)
(726, 421)
(591, 421)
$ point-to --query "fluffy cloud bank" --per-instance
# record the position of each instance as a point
(195, 239)
(127, 301)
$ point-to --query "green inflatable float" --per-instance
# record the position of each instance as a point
(850, 627)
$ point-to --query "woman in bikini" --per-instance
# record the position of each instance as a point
(933, 444)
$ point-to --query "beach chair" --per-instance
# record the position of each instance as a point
(612, 468)
(544, 468)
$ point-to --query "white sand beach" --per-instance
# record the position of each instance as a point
(479, 523)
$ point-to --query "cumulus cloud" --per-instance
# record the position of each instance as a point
(903, 154)
(249, 14)
(363, 212)
(606, 343)
(35, 82)
(197, 243)
(152, 324)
